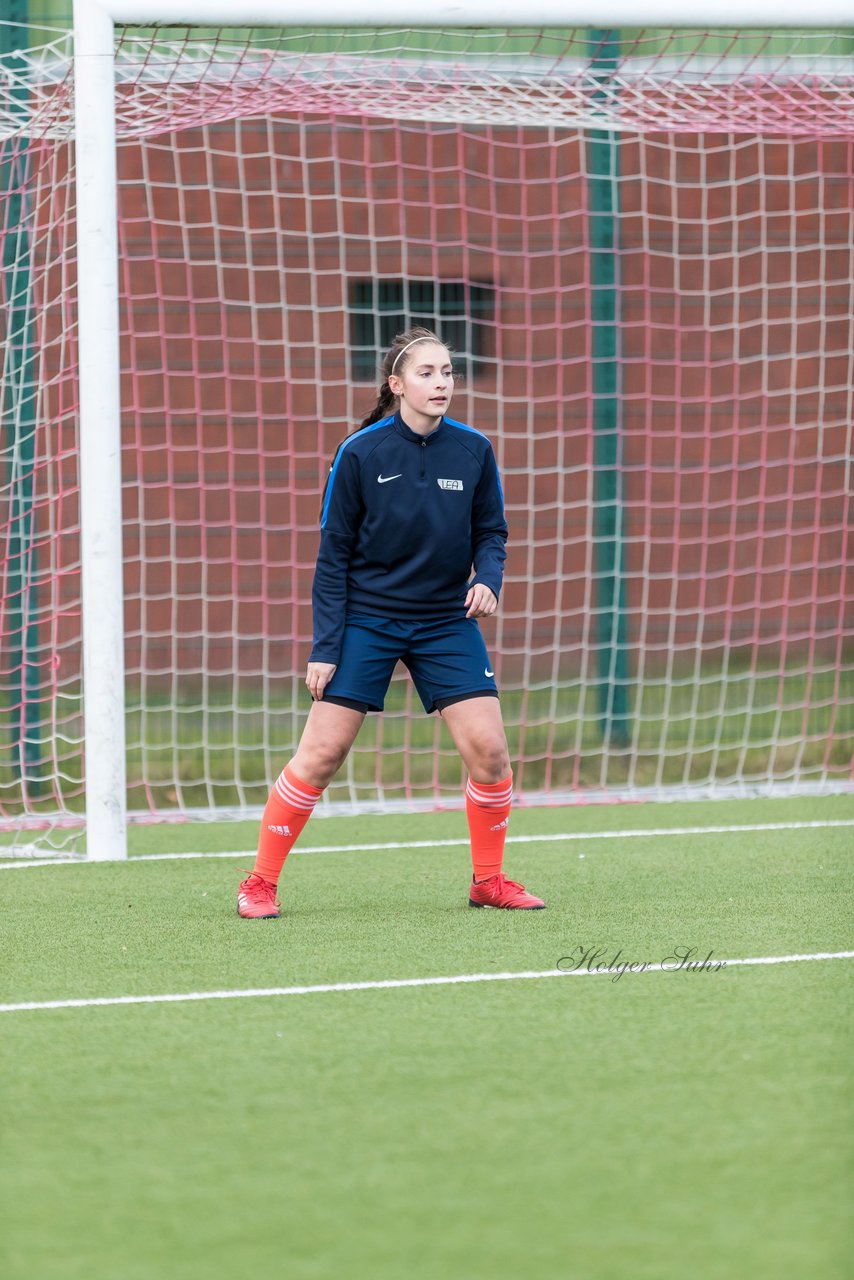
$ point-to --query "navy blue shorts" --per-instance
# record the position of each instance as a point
(447, 660)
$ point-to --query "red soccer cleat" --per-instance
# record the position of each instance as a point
(498, 891)
(256, 899)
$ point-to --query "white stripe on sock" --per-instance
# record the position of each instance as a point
(297, 799)
(489, 799)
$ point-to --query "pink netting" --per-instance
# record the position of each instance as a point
(244, 246)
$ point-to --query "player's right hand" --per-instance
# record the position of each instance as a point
(317, 677)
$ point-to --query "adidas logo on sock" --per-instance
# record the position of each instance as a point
(499, 826)
(279, 831)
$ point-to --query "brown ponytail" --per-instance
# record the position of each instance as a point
(396, 360)
(383, 406)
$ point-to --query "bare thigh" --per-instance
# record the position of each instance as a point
(329, 733)
(477, 729)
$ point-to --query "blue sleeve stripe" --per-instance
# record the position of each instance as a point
(344, 443)
(465, 427)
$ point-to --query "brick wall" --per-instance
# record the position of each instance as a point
(735, 286)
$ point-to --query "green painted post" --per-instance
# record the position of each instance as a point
(603, 166)
(19, 434)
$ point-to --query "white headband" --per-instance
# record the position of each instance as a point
(423, 338)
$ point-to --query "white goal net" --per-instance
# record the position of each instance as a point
(640, 246)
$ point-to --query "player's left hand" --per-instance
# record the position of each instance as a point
(480, 601)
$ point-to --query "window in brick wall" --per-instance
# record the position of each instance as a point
(459, 311)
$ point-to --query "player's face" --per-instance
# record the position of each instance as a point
(426, 384)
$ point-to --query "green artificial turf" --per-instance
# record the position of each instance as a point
(661, 1125)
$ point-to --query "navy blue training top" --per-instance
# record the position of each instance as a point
(405, 517)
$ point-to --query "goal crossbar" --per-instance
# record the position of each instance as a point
(741, 14)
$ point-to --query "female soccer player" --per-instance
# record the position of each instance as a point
(412, 502)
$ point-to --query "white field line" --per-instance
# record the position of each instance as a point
(389, 984)
(633, 834)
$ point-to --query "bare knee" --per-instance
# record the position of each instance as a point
(478, 732)
(495, 767)
(318, 762)
(325, 744)
(488, 759)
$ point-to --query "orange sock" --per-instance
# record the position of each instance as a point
(488, 812)
(288, 809)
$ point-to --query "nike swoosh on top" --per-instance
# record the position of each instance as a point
(385, 479)
(487, 672)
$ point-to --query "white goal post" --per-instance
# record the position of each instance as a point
(98, 284)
